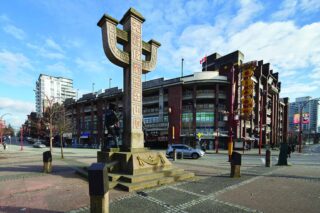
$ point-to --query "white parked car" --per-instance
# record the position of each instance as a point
(186, 150)
(39, 145)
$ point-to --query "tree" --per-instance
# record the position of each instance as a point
(9, 130)
(49, 115)
(62, 124)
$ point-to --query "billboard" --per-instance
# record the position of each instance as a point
(305, 118)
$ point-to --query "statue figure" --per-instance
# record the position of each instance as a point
(112, 126)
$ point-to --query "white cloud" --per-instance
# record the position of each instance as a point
(53, 45)
(287, 9)
(59, 68)
(86, 65)
(310, 5)
(4, 18)
(15, 32)
(248, 10)
(17, 109)
(48, 50)
(291, 90)
(15, 68)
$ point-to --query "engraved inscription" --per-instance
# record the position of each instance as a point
(136, 109)
(136, 40)
(136, 123)
(137, 96)
(136, 69)
(137, 54)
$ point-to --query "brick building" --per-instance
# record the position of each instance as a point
(176, 110)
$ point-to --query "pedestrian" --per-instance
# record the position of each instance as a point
(4, 145)
(289, 150)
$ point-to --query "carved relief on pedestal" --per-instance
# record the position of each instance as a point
(151, 160)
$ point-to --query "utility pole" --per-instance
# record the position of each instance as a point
(182, 67)
(110, 82)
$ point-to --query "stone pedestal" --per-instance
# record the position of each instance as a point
(141, 169)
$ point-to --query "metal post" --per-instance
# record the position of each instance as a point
(21, 138)
(300, 128)
(260, 125)
(231, 117)
(110, 82)
(182, 67)
(217, 141)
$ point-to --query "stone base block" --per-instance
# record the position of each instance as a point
(140, 169)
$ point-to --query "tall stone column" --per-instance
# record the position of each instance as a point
(133, 67)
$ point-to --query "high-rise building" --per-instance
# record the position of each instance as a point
(52, 89)
(310, 114)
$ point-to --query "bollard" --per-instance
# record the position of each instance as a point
(268, 158)
(235, 164)
(47, 162)
(174, 155)
(180, 155)
(98, 188)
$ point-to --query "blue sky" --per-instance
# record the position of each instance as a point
(60, 38)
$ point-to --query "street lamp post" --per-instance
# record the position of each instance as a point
(231, 116)
(216, 143)
(21, 138)
(260, 123)
(2, 126)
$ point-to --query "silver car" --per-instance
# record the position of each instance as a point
(186, 150)
(39, 145)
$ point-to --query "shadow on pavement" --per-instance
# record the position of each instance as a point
(10, 209)
(61, 170)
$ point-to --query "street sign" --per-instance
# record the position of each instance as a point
(199, 134)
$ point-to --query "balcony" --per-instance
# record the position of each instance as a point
(187, 95)
(205, 93)
(150, 100)
(157, 126)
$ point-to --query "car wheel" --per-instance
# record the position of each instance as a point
(195, 155)
(171, 154)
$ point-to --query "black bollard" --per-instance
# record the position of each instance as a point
(235, 164)
(47, 162)
(98, 188)
(174, 155)
(268, 158)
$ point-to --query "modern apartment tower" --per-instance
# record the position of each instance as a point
(52, 89)
(310, 109)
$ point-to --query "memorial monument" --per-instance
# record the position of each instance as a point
(135, 167)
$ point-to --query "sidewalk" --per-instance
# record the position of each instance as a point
(24, 188)
(253, 152)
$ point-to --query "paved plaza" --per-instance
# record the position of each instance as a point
(295, 188)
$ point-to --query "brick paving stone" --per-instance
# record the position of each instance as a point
(137, 204)
(214, 207)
